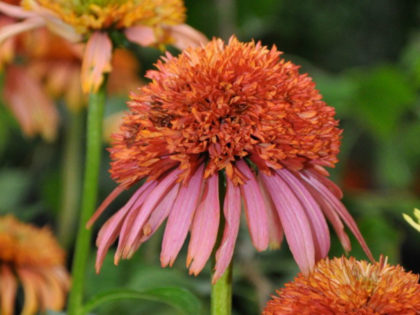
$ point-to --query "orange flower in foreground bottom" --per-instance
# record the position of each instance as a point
(32, 256)
(348, 286)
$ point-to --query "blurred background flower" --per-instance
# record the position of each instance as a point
(31, 257)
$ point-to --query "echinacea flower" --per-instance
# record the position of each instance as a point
(237, 114)
(32, 257)
(411, 221)
(145, 22)
(348, 286)
(41, 67)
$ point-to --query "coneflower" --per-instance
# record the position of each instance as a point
(235, 114)
(31, 256)
(147, 23)
(348, 286)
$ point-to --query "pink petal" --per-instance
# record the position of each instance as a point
(294, 221)
(8, 289)
(159, 214)
(154, 197)
(316, 218)
(339, 208)
(185, 36)
(15, 11)
(17, 28)
(110, 230)
(134, 205)
(111, 197)
(326, 182)
(232, 213)
(205, 226)
(180, 218)
(275, 230)
(34, 110)
(96, 61)
(141, 35)
(256, 214)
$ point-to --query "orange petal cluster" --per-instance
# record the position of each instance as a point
(33, 257)
(220, 103)
(86, 16)
(348, 286)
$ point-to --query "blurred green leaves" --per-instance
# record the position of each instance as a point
(182, 300)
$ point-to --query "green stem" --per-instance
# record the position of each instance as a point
(221, 294)
(90, 189)
(71, 175)
(221, 291)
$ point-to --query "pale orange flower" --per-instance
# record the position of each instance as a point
(31, 256)
(348, 286)
(51, 70)
(146, 22)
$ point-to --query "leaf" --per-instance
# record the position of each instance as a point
(381, 97)
(181, 299)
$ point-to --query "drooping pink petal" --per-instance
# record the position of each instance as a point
(256, 214)
(159, 214)
(133, 207)
(30, 305)
(205, 226)
(111, 197)
(20, 27)
(275, 230)
(294, 221)
(341, 211)
(326, 182)
(54, 296)
(155, 196)
(141, 35)
(185, 36)
(96, 61)
(315, 216)
(15, 11)
(112, 228)
(55, 23)
(35, 112)
(232, 214)
(8, 289)
(332, 217)
(180, 218)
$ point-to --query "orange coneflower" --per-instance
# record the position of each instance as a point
(145, 22)
(31, 256)
(348, 286)
(240, 112)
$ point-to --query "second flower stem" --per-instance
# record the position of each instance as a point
(221, 294)
(89, 198)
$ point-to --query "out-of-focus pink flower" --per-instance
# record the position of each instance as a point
(151, 22)
(31, 256)
(235, 121)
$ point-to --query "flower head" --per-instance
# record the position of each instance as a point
(32, 256)
(145, 22)
(240, 112)
(348, 286)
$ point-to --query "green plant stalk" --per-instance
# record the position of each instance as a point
(221, 294)
(90, 189)
(221, 291)
(71, 178)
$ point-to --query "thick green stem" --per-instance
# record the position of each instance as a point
(90, 189)
(221, 294)
(221, 291)
(71, 177)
